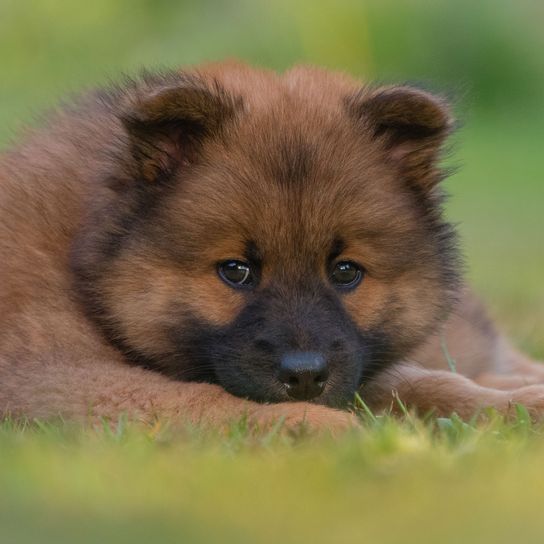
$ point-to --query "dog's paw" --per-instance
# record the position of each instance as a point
(530, 396)
(303, 417)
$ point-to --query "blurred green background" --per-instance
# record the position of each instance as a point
(488, 55)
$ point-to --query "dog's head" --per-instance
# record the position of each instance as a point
(278, 235)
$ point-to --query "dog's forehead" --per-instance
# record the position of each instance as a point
(291, 180)
(313, 158)
(293, 172)
(295, 149)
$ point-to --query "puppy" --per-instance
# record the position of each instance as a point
(227, 242)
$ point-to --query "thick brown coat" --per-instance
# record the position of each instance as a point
(67, 314)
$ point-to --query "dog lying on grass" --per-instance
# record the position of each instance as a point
(222, 242)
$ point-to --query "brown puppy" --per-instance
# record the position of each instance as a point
(221, 242)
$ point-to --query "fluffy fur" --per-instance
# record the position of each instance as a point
(115, 215)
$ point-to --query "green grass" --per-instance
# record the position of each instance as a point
(394, 481)
(438, 481)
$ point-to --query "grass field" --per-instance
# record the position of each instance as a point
(440, 481)
(395, 481)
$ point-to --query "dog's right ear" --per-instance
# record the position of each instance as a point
(166, 122)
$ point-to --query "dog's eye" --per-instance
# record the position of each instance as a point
(346, 274)
(236, 273)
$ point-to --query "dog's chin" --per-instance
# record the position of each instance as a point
(273, 392)
(263, 391)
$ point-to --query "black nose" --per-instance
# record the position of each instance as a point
(304, 374)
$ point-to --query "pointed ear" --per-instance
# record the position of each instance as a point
(412, 125)
(166, 122)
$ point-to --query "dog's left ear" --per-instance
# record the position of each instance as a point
(412, 126)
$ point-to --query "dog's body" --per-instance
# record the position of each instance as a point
(167, 246)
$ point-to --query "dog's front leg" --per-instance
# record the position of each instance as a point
(444, 393)
(92, 389)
